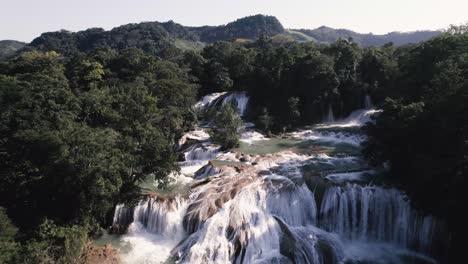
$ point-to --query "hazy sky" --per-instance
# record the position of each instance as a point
(26, 19)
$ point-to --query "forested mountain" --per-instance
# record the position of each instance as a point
(155, 38)
(166, 39)
(9, 47)
(246, 28)
(328, 35)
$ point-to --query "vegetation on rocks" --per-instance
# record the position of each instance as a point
(226, 126)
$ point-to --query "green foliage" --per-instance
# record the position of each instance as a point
(165, 40)
(52, 244)
(168, 39)
(294, 112)
(250, 27)
(325, 34)
(77, 136)
(215, 78)
(265, 120)
(7, 229)
(423, 133)
(66, 244)
(8, 247)
(8, 48)
(226, 127)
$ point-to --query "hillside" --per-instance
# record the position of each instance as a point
(166, 39)
(156, 38)
(245, 28)
(326, 35)
(9, 47)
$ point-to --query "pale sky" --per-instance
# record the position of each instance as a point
(26, 19)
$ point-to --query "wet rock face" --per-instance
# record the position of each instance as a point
(211, 197)
(102, 255)
(192, 137)
(206, 171)
(117, 229)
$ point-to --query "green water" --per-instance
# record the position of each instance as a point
(300, 146)
(114, 240)
(148, 185)
(272, 145)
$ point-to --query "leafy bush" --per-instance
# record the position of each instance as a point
(226, 125)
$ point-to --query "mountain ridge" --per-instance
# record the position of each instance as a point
(9, 47)
(163, 38)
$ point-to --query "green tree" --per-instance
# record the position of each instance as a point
(8, 247)
(266, 120)
(226, 125)
(294, 112)
(77, 138)
(215, 78)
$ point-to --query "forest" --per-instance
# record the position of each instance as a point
(82, 126)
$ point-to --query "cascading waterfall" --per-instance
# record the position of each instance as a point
(371, 213)
(239, 99)
(207, 100)
(265, 222)
(264, 211)
(159, 215)
(202, 151)
(368, 102)
(330, 116)
(155, 227)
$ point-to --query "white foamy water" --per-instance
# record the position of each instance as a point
(372, 213)
(207, 100)
(240, 99)
(201, 151)
(249, 136)
(382, 253)
(262, 211)
(155, 228)
(329, 136)
(194, 135)
(349, 176)
(355, 119)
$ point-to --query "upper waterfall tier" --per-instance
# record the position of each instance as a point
(239, 99)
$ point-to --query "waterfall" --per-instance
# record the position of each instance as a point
(240, 231)
(159, 215)
(263, 208)
(330, 116)
(239, 99)
(368, 102)
(207, 100)
(356, 118)
(370, 213)
(155, 228)
(293, 203)
(201, 151)
(269, 220)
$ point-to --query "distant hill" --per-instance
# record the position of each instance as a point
(156, 38)
(245, 28)
(166, 39)
(9, 47)
(326, 35)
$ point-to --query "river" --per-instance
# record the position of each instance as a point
(305, 197)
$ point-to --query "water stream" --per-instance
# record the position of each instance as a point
(309, 198)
